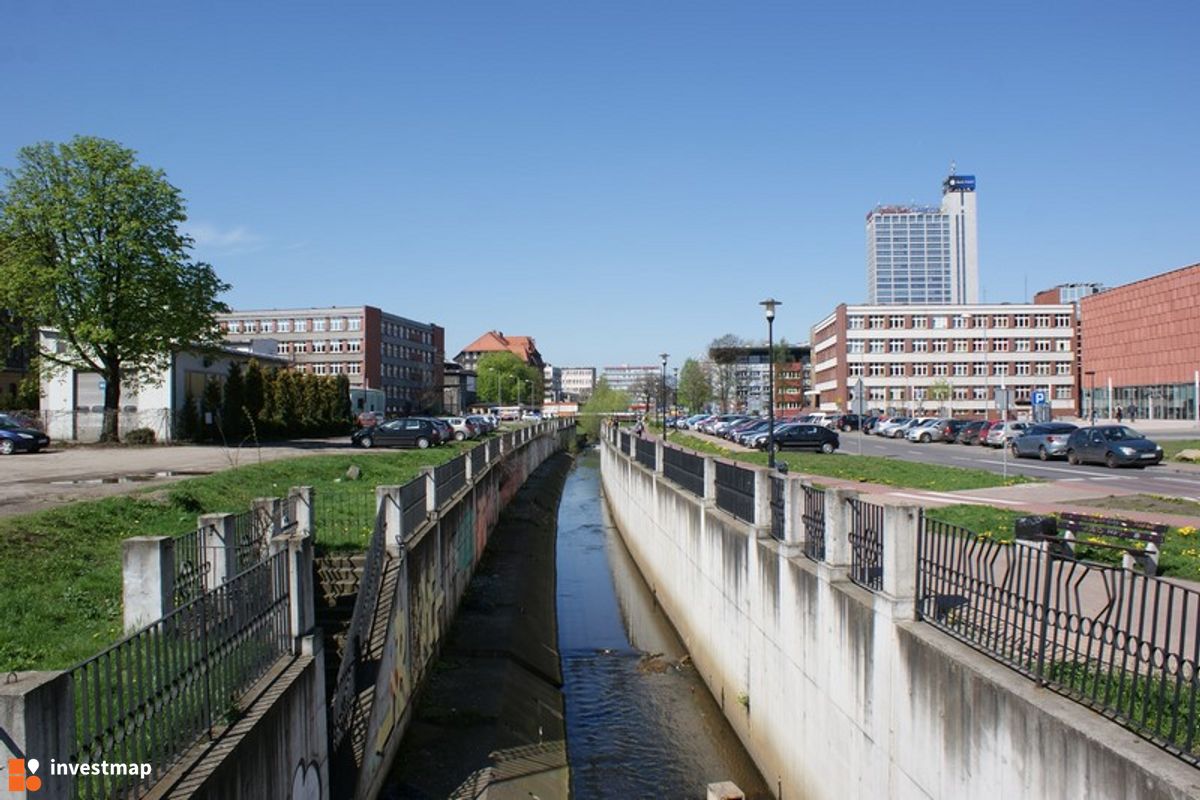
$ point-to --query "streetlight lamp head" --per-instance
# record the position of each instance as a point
(770, 304)
(663, 356)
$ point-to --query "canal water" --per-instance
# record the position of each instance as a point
(640, 721)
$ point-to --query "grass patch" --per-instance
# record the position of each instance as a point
(60, 577)
(866, 469)
(1173, 447)
(986, 521)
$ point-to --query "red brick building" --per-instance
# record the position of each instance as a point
(1141, 347)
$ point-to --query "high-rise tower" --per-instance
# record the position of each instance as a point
(922, 254)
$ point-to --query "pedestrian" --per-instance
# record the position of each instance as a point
(1132, 413)
(638, 428)
(1118, 415)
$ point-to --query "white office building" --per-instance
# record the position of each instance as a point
(925, 255)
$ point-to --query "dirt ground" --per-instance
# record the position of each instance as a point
(31, 482)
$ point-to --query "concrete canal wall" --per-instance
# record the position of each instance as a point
(836, 691)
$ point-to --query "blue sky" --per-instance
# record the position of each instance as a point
(622, 178)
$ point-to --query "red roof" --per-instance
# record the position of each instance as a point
(522, 347)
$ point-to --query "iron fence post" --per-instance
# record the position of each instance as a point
(1046, 553)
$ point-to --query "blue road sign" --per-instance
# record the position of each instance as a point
(1037, 398)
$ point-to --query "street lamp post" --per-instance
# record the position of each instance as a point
(769, 305)
(1091, 373)
(662, 395)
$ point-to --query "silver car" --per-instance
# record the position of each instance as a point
(1046, 441)
(925, 432)
(1002, 433)
(462, 428)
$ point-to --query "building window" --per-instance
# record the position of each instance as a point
(896, 322)
(920, 345)
(877, 346)
(980, 322)
(979, 393)
(979, 368)
(1000, 370)
(282, 348)
(1062, 368)
(1021, 393)
(268, 326)
(960, 370)
(336, 346)
(877, 393)
(301, 326)
(356, 323)
(355, 345)
(960, 321)
(999, 321)
(251, 326)
(1042, 321)
(979, 345)
(940, 370)
(854, 323)
(1022, 320)
(1000, 345)
(960, 393)
(1022, 369)
(1062, 345)
(941, 346)
(356, 368)
(920, 322)
(877, 370)
(961, 345)
(285, 326)
(318, 326)
(319, 347)
(1021, 345)
(897, 370)
(1042, 368)
(856, 370)
(940, 323)
(1062, 321)
(1042, 346)
(235, 326)
(897, 394)
(896, 346)
(854, 346)
(1062, 392)
(876, 322)
(920, 370)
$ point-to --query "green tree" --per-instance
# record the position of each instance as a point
(342, 413)
(254, 390)
(92, 248)
(604, 400)
(210, 410)
(695, 387)
(499, 374)
(233, 404)
(940, 391)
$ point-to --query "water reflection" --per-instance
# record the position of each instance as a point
(640, 722)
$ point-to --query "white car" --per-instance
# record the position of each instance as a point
(462, 429)
(924, 431)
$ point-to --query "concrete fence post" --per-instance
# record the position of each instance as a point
(147, 579)
(304, 508)
(793, 517)
(659, 455)
(710, 480)
(838, 522)
(431, 498)
(900, 530)
(762, 501)
(220, 535)
(267, 516)
(301, 606)
(468, 467)
(387, 499)
(37, 721)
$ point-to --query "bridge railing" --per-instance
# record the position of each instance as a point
(1118, 641)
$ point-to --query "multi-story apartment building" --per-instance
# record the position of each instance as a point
(1068, 293)
(375, 349)
(578, 382)
(523, 347)
(940, 359)
(750, 371)
(922, 254)
(552, 389)
(624, 378)
(1140, 345)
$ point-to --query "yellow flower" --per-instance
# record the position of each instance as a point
(1187, 530)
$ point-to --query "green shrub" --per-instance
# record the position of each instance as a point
(140, 436)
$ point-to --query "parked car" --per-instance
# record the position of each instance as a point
(1046, 441)
(847, 422)
(758, 440)
(885, 428)
(15, 436)
(1001, 433)
(925, 432)
(462, 428)
(900, 431)
(748, 431)
(949, 429)
(420, 432)
(1112, 445)
(806, 436)
(969, 434)
(869, 424)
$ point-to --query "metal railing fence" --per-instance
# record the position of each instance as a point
(154, 694)
(479, 459)
(685, 469)
(814, 523)
(735, 490)
(645, 453)
(344, 515)
(193, 568)
(1122, 643)
(778, 506)
(449, 478)
(342, 703)
(250, 533)
(624, 442)
(866, 544)
(412, 504)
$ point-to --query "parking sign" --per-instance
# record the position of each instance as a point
(1037, 398)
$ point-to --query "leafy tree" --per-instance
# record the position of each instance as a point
(254, 390)
(498, 375)
(233, 404)
(343, 413)
(940, 391)
(695, 387)
(723, 352)
(92, 247)
(604, 400)
(645, 390)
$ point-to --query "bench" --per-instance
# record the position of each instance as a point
(1151, 534)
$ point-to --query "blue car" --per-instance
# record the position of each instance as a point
(14, 437)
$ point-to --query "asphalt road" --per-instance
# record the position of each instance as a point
(1163, 479)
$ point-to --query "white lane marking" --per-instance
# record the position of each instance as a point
(924, 498)
(1174, 480)
(985, 500)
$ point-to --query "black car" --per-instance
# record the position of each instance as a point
(407, 432)
(1113, 445)
(802, 436)
(14, 436)
(949, 429)
(847, 422)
